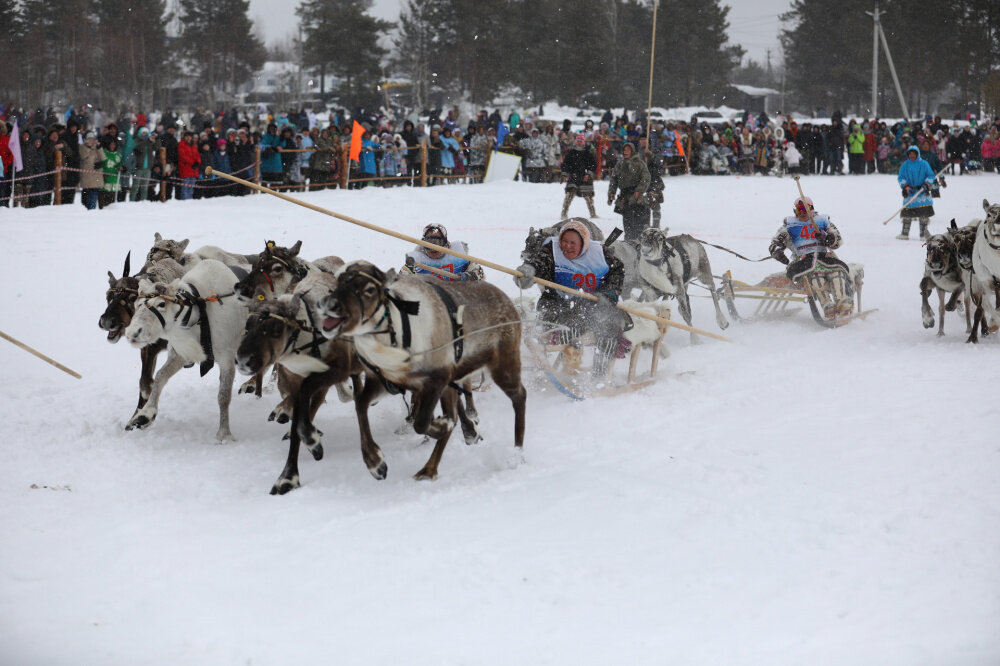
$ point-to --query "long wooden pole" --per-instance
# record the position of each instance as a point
(461, 255)
(39, 355)
(652, 55)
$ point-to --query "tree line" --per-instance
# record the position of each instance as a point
(115, 52)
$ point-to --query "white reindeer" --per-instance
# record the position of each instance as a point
(202, 322)
(986, 268)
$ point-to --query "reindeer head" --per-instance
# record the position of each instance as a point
(653, 245)
(992, 221)
(121, 302)
(532, 244)
(360, 293)
(940, 253)
(155, 314)
(165, 248)
(266, 335)
(273, 272)
(964, 240)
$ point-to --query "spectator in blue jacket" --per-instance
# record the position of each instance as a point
(915, 179)
(270, 157)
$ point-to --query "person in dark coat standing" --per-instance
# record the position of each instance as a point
(579, 167)
(631, 177)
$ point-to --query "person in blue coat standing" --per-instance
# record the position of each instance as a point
(270, 156)
(916, 178)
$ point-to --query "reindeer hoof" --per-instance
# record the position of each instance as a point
(425, 475)
(287, 436)
(283, 418)
(380, 472)
(224, 436)
(940, 334)
(316, 450)
(140, 421)
(283, 485)
(928, 324)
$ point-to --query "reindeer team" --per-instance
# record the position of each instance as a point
(364, 332)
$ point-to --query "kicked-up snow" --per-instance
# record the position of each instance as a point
(799, 496)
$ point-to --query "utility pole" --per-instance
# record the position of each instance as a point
(892, 70)
(875, 32)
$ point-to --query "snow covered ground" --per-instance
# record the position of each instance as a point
(806, 496)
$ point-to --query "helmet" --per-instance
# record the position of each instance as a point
(801, 203)
(436, 233)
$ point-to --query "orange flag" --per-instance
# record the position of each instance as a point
(357, 131)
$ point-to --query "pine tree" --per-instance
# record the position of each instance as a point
(342, 37)
(219, 45)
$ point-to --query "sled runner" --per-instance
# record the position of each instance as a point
(815, 288)
(567, 366)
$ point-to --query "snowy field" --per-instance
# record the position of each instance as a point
(806, 496)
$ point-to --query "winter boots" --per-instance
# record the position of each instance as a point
(568, 199)
(924, 234)
(905, 233)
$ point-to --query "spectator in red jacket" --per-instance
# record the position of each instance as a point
(188, 161)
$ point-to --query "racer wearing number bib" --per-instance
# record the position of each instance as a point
(585, 272)
(803, 234)
(445, 262)
(462, 269)
(586, 265)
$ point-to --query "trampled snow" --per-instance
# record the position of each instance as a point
(800, 496)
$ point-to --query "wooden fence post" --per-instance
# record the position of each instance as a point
(58, 179)
(256, 166)
(345, 165)
(423, 165)
(164, 184)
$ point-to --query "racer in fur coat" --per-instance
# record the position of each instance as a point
(572, 259)
(811, 245)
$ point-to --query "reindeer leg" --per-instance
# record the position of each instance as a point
(707, 279)
(927, 315)
(288, 386)
(289, 477)
(370, 451)
(508, 377)
(144, 417)
(439, 428)
(968, 314)
(684, 305)
(976, 320)
(148, 355)
(469, 430)
(227, 373)
(941, 311)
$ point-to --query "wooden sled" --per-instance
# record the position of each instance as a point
(776, 291)
(564, 366)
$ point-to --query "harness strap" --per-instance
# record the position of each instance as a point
(317, 338)
(204, 329)
(455, 313)
(406, 310)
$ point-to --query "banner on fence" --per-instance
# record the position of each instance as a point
(503, 166)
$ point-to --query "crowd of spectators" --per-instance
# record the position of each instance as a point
(138, 156)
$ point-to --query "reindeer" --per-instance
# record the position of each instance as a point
(201, 322)
(423, 336)
(964, 239)
(986, 268)
(164, 248)
(277, 270)
(121, 295)
(283, 331)
(942, 271)
(668, 264)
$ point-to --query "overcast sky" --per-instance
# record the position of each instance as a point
(754, 24)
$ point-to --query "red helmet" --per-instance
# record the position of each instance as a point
(801, 203)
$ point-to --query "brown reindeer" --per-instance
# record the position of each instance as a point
(283, 331)
(277, 270)
(424, 336)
